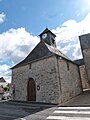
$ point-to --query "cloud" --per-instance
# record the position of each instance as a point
(2, 17)
(16, 44)
(77, 51)
(83, 8)
(67, 36)
(86, 5)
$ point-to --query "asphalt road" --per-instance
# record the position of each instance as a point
(77, 108)
(10, 110)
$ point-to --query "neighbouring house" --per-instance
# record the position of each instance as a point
(2, 80)
(85, 46)
(2, 85)
(84, 64)
(83, 74)
(46, 74)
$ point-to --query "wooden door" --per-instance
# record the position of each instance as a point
(31, 90)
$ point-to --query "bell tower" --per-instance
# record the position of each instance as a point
(48, 37)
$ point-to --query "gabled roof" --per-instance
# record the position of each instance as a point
(2, 79)
(42, 50)
(47, 30)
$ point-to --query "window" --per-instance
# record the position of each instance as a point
(30, 66)
(67, 66)
(53, 41)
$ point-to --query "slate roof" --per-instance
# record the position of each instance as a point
(56, 51)
(79, 62)
(47, 30)
(42, 50)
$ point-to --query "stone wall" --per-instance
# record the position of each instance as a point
(44, 74)
(20, 78)
(58, 79)
(83, 75)
(85, 46)
(86, 53)
(70, 79)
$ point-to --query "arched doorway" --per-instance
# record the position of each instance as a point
(31, 90)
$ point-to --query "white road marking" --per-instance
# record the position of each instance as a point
(83, 108)
(72, 112)
(68, 111)
(67, 118)
(22, 119)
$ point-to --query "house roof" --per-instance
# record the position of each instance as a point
(2, 79)
(42, 50)
(79, 62)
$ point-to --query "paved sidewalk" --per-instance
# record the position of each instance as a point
(80, 100)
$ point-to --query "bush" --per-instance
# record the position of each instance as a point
(6, 89)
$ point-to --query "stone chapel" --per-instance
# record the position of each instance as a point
(46, 74)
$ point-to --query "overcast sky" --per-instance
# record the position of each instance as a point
(21, 21)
